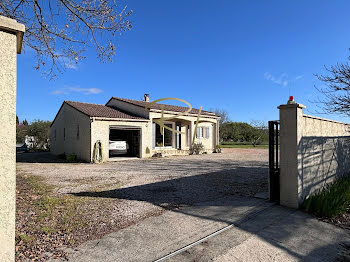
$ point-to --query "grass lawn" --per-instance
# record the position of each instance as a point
(246, 146)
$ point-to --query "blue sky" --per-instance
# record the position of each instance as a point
(246, 57)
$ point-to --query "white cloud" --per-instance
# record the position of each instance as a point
(71, 66)
(281, 80)
(299, 77)
(71, 89)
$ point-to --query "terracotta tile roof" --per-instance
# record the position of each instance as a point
(157, 106)
(96, 110)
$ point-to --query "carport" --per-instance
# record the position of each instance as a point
(124, 141)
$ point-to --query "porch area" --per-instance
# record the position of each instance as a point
(177, 137)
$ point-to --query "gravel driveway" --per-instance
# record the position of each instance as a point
(182, 179)
(116, 195)
(137, 189)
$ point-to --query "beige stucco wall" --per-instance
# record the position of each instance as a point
(70, 118)
(9, 38)
(208, 143)
(100, 131)
(323, 153)
(94, 129)
(313, 152)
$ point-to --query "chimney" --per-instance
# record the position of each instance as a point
(146, 96)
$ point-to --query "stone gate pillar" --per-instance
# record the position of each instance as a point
(291, 116)
(11, 37)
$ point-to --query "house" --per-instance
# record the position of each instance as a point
(82, 129)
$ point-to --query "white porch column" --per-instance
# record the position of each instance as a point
(11, 36)
(193, 126)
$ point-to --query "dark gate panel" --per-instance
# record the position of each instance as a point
(274, 178)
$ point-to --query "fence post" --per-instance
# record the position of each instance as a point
(291, 116)
(11, 37)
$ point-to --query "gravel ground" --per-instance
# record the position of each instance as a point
(115, 195)
(243, 169)
(140, 188)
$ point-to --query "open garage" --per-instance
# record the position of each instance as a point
(124, 141)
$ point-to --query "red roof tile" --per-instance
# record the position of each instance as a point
(96, 110)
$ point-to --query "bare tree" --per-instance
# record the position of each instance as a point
(222, 113)
(336, 93)
(259, 132)
(59, 31)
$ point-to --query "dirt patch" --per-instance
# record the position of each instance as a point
(47, 223)
(343, 220)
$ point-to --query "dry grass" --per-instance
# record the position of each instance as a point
(46, 222)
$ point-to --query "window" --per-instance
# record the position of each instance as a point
(199, 133)
(165, 140)
(78, 133)
(202, 132)
(64, 134)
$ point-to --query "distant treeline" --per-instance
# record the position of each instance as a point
(244, 133)
(37, 133)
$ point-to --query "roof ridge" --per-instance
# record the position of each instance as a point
(67, 101)
(120, 98)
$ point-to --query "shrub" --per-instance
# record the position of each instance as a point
(218, 149)
(157, 155)
(332, 200)
(197, 148)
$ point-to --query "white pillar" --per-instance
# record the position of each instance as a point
(11, 36)
(193, 131)
(291, 116)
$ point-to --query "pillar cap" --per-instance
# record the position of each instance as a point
(11, 26)
(296, 105)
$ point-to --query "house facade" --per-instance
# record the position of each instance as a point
(82, 129)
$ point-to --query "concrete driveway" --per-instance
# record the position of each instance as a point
(229, 229)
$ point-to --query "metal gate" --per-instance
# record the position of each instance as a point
(274, 178)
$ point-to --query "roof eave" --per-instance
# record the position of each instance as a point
(119, 119)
